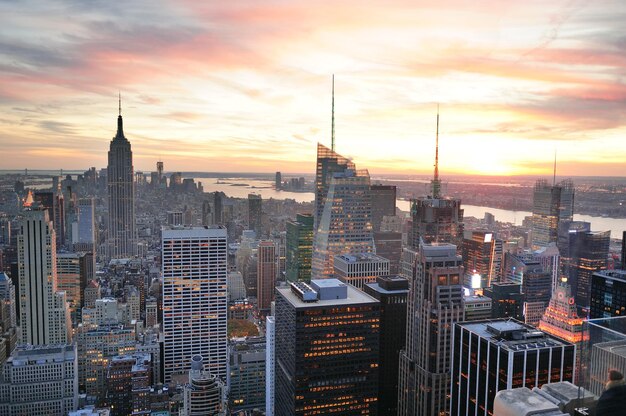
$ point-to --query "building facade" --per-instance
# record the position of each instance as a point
(551, 204)
(435, 304)
(266, 274)
(195, 298)
(121, 194)
(501, 354)
(246, 374)
(299, 248)
(326, 344)
(358, 269)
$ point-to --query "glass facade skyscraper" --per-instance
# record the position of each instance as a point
(551, 204)
(299, 248)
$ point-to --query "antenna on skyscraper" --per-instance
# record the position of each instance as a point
(332, 127)
(554, 175)
(436, 183)
(119, 95)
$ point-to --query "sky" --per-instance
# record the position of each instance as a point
(245, 85)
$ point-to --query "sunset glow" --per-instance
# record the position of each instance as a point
(246, 85)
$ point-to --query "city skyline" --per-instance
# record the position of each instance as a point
(246, 87)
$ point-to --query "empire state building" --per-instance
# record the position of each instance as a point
(121, 190)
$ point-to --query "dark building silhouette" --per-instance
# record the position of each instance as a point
(255, 213)
(392, 293)
(608, 294)
(506, 300)
(326, 343)
(383, 203)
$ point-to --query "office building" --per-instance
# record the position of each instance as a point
(478, 255)
(358, 269)
(44, 318)
(435, 304)
(623, 264)
(128, 382)
(535, 280)
(508, 354)
(84, 229)
(388, 245)
(476, 307)
(608, 294)
(121, 191)
(53, 203)
(434, 218)
(246, 374)
(346, 222)
(194, 298)
(204, 392)
(218, 208)
(40, 381)
(299, 248)
(255, 213)
(266, 274)
(71, 280)
(328, 163)
(5, 229)
(551, 204)
(392, 293)
(270, 364)
(383, 204)
(327, 337)
(8, 317)
(586, 252)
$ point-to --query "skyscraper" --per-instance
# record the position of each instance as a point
(551, 204)
(270, 364)
(246, 374)
(84, 233)
(478, 255)
(121, 188)
(436, 219)
(255, 213)
(435, 304)
(586, 252)
(328, 163)
(383, 203)
(195, 298)
(608, 294)
(391, 292)
(360, 268)
(500, 354)
(346, 222)
(43, 314)
(327, 337)
(204, 393)
(299, 248)
(266, 274)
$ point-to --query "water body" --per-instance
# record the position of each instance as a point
(241, 187)
(615, 225)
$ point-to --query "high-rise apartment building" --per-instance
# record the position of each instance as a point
(392, 293)
(346, 222)
(121, 191)
(360, 268)
(478, 256)
(266, 274)
(327, 337)
(195, 298)
(278, 181)
(551, 204)
(44, 318)
(255, 213)
(328, 163)
(40, 381)
(383, 203)
(299, 248)
(435, 304)
(501, 354)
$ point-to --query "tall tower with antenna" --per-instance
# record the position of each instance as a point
(434, 218)
(332, 125)
(121, 189)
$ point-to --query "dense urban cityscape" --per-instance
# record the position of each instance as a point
(128, 293)
(440, 230)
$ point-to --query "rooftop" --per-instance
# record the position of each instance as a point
(361, 258)
(193, 232)
(353, 295)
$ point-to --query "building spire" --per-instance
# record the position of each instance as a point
(332, 132)
(120, 127)
(554, 174)
(436, 182)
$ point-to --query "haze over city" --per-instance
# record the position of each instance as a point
(246, 86)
